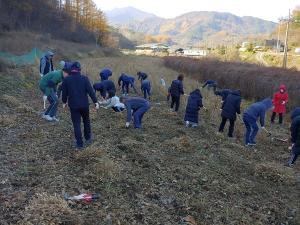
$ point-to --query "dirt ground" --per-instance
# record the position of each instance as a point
(163, 174)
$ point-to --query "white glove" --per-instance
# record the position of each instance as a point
(283, 102)
(127, 124)
(263, 128)
(97, 105)
(64, 105)
(45, 98)
(41, 74)
(291, 147)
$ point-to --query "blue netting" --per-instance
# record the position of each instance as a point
(22, 60)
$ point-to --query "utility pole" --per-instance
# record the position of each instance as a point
(278, 37)
(286, 41)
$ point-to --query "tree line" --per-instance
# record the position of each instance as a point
(73, 20)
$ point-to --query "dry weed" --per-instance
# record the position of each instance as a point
(46, 209)
(275, 173)
(8, 121)
(183, 144)
(9, 101)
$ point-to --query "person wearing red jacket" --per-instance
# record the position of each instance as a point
(279, 101)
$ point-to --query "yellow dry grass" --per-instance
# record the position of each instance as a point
(46, 209)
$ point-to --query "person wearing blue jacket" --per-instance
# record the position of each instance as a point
(141, 75)
(192, 108)
(295, 137)
(146, 88)
(176, 90)
(230, 107)
(126, 81)
(251, 115)
(75, 91)
(105, 87)
(136, 107)
(105, 74)
(223, 93)
(210, 84)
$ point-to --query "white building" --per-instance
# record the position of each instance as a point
(152, 49)
(297, 50)
(194, 52)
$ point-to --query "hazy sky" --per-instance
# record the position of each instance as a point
(265, 9)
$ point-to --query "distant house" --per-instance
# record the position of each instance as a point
(194, 52)
(270, 43)
(245, 46)
(152, 49)
(259, 48)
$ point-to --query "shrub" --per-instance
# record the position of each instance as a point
(255, 82)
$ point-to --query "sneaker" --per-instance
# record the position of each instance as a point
(289, 165)
(55, 119)
(79, 148)
(187, 123)
(194, 125)
(88, 142)
(252, 144)
(48, 118)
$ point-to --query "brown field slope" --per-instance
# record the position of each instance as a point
(163, 174)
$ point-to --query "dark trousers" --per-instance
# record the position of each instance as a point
(138, 116)
(125, 88)
(294, 155)
(146, 92)
(251, 129)
(52, 109)
(175, 101)
(231, 126)
(274, 116)
(76, 115)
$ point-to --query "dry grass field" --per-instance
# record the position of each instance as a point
(163, 174)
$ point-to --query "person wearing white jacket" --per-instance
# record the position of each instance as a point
(113, 102)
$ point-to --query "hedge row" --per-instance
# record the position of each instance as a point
(255, 82)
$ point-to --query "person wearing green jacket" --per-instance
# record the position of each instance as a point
(48, 85)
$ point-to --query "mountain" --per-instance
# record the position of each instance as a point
(195, 28)
(121, 16)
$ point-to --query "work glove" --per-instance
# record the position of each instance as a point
(41, 74)
(44, 99)
(291, 147)
(97, 105)
(127, 124)
(283, 102)
(263, 128)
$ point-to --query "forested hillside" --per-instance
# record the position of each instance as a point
(73, 20)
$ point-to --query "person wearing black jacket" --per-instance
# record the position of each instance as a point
(295, 137)
(176, 90)
(75, 91)
(210, 84)
(231, 107)
(223, 93)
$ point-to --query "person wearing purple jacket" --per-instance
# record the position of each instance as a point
(136, 107)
